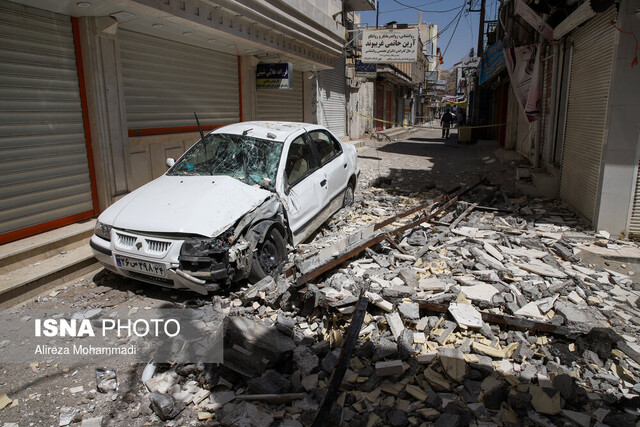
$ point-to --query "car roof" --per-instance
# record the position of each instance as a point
(261, 129)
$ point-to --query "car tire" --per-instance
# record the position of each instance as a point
(269, 257)
(348, 196)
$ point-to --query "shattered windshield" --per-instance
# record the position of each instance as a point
(251, 160)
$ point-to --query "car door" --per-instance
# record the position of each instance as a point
(334, 164)
(304, 189)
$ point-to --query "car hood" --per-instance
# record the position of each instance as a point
(204, 205)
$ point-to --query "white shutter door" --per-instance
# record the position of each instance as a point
(281, 104)
(546, 101)
(589, 82)
(165, 82)
(634, 222)
(44, 172)
(332, 111)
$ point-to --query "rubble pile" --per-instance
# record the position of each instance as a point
(497, 311)
(489, 320)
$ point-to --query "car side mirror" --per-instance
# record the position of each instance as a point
(170, 162)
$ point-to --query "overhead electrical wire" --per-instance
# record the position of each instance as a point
(466, 18)
(410, 7)
(456, 19)
(424, 11)
(446, 27)
(454, 31)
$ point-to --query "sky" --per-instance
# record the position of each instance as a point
(460, 38)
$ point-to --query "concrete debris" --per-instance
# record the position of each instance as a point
(4, 400)
(395, 324)
(453, 363)
(306, 360)
(409, 311)
(543, 402)
(465, 315)
(106, 380)
(389, 368)
(491, 320)
(271, 382)
(482, 292)
(246, 414)
(67, 415)
(165, 406)
(91, 422)
(487, 263)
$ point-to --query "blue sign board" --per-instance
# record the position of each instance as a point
(365, 70)
(492, 62)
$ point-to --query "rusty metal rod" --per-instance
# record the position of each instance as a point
(337, 261)
(395, 245)
(380, 237)
(462, 216)
(507, 320)
(409, 212)
(343, 363)
(415, 209)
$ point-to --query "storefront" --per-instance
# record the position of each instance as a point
(45, 160)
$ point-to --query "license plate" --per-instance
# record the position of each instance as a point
(146, 267)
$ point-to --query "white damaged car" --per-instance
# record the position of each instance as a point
(227, 208)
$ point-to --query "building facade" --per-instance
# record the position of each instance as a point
(97, 94)
(389, 96)
(587, 131)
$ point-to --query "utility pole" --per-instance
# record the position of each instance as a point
(377, 9)
(481, 28)
(476, 98)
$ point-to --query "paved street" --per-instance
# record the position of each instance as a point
(422, 160)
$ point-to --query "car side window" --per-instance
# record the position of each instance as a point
(300, 161)
(327, 147)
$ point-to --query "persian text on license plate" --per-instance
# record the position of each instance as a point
(146, 267)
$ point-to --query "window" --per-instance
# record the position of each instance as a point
(299, 161)
(251, 160)
(326, 146)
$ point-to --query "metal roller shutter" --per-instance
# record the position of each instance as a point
(547, 122)
(44, 171)
(634, 221)
(281, 104)
(332, 111)
(165, 82)
(589, 82)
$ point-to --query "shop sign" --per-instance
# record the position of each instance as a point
(492, 62)
(431, 76)
(274, 76)
(366, 70)
(398, 45)
(470, 62)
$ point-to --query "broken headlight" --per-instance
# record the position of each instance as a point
(103, 231)
(208, 258)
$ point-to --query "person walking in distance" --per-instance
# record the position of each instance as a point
(445, 122)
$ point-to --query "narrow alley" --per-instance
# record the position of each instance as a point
(496, 310)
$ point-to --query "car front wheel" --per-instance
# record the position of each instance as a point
(348, 196)
(269, 257)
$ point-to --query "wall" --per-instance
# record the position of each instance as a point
(149, 154)
(361, 101)
(105, 107)
(310, 97)
(519, 134)
(620, 154)
(248, 89)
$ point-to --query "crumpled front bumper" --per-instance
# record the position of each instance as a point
(106, 253)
